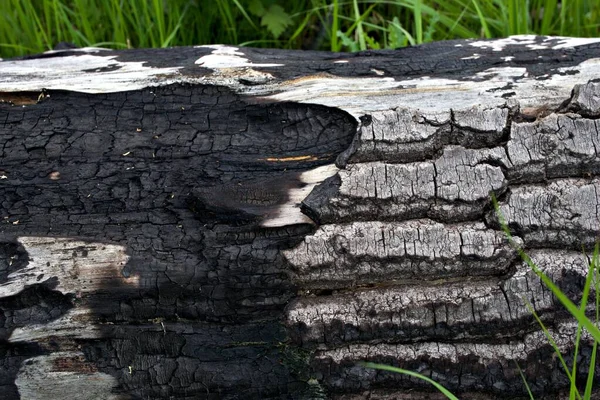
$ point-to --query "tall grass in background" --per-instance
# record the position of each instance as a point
(31, 26)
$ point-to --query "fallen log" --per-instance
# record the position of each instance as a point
(215, 222)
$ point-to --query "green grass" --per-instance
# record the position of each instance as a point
(31, 26)
(577, 311)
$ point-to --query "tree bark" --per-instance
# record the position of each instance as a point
(215, 222)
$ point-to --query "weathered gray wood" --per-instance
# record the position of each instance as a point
(220, 222)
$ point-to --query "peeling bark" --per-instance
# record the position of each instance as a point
(216, 222)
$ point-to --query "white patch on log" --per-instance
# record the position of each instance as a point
(329, 90)
(76, 323)
(78, 266)
(289, 213)
(504, 73)
(358, 96)
(530, 42)
(319, 174)
(73, 73)
(227, 57)
(516, 40)
(574, 42)
(78, 50)
(64, 375)
(475, 56)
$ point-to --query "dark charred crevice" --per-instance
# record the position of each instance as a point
(356, 209)
(338, 335)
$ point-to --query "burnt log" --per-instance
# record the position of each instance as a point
(215, 222)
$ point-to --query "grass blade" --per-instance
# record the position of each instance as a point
(595, 271)
(589, 385)
(383, 367)
(549, 338)
(359, 28)
(484, 25)
(244, 13)
(549, 11)
(525, 382)
(582, 307)
(418, 21)
(335, 26)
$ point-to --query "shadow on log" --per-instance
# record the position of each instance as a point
(219, 223)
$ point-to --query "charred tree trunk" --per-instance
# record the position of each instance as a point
(219, 223)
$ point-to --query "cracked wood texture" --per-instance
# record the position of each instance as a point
(215, 222)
